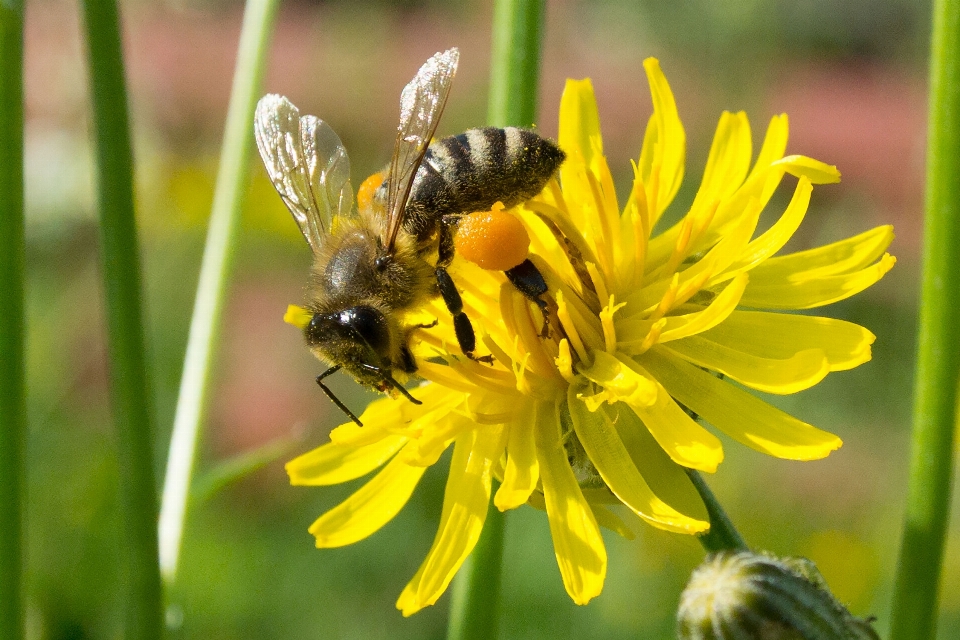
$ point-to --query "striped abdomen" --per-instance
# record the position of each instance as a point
(473, 170)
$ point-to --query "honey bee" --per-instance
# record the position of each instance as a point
(372, 266)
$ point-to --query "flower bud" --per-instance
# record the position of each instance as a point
(749, 596)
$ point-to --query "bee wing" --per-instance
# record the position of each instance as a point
(421, 104)
(307, 164)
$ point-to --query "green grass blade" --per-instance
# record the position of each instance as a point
(938, 357)
(514, 84)
(258, 23)
(515, 62)
(132, 409)
(13, 409)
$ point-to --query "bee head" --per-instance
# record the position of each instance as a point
(359, 338)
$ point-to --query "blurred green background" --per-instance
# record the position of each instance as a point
(851, 76)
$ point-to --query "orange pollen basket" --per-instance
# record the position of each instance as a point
(494, 240)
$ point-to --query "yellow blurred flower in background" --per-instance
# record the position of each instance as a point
(644, 331)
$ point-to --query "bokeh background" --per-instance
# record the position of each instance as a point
(850, 74)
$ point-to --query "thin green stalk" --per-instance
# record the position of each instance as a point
(132, 408)
(514, 84)
(13, 410)
(258, 20)
(515, 62)
(475, 601)
(938, 358)
(722, 536)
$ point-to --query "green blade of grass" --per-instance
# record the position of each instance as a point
(132, 411)
(515, 62)
(514, 84)
(13, 409)
(258, 20)
(938, 358)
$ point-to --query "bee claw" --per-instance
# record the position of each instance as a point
(427, 326)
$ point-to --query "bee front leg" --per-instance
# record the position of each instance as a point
(329, 393)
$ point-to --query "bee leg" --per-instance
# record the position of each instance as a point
(388, 381)
(407, 362)
(334, 398)
(529, 281)
(461, 323)
(399, 387)
(451, 297)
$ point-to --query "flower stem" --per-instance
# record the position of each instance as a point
(132, 410)
(258, 20)
(515, 62)
(13, 410)
(938, 359)
(475, 601)
(514, 81)
(722, 535)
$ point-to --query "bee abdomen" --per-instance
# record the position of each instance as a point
(475, 169)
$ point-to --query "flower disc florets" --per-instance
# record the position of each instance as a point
(643, 331)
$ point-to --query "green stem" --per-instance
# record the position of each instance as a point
(475, 601)
(121, 272)
(514, 81)
(258, 20)
(938, 359)
(722, 536)
(515, 62)
(13, 410)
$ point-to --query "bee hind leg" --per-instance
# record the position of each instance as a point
(529, 281)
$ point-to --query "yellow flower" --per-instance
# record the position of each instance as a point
(644, 331)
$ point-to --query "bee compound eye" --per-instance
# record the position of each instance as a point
(370, 325)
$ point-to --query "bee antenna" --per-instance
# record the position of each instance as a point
(334, 398)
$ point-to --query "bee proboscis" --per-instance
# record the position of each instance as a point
(371, 266)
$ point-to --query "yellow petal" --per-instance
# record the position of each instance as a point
(838, 258)
(393, 414)
(666, 478)
(728, 161)
(774, 143)
(664, 144)
(737, 413)
(368, 509)
(466, 499)
(619, 382)
(801, 371)
(773, 239)
(522, 471)
(685, 441)
(609, 520)
(818, 172)
(799, 292)
(428, 448)
(600, 440)
(579, 121)
(334, 463)
(719, 309)
(781, 336)
(581, 556)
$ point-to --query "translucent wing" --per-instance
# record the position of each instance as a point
(306, 163)
(421, 104)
